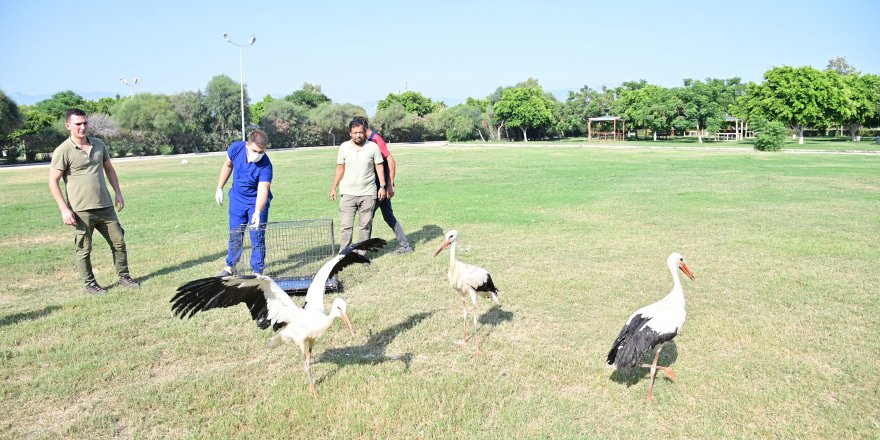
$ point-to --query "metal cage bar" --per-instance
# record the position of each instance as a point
(294, 251)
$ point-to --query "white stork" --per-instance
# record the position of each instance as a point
(652, 326)
(469, 281)
(269, 304)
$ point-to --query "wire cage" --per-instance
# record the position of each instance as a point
(294, 251)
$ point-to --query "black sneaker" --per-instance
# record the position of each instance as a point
(94, 289)
(126, 281)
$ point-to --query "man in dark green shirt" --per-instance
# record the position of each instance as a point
(82, 161)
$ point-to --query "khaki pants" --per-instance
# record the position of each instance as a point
(106, 222)
(363, 206)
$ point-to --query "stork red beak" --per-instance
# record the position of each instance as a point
(442, 246)
(348, 323)
(687, 271)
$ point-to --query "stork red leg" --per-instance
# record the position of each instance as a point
(476, 341)
(670, 373)
(653, 366)
(309, 373)
(464, 311)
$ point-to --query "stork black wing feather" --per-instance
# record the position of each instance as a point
(488, 286)
(350, 257)
(372, 244)
(634, 341)
(215, 292)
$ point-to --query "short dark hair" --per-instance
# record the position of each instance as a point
(75, 112)
(259, 137)
(357, 121)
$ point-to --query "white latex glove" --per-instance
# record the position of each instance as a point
(255, 221)
(218, 196)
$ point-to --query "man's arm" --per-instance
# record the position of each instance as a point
(380, 172)
(262, 198)
(55, 188)
(392, 170)
(340, 171)
(114, 182)
(225, 172)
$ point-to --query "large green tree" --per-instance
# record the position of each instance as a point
(333, 119)
(840, 66)
(36, 135)
(864, 102)
(525, 108)
(799, 97)
(706, 104)
(309, 96)
(59, 103)
(223, 101)
(462, 122)
(147, 112)
(397, 124)
(258, 109)
(10, 117)
(581, 105)
(193, 119)
(412, 102)
(152, 121)
(287, 125)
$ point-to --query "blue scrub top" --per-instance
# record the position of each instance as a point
(246, 175)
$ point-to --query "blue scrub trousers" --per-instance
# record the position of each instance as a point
(240, 214)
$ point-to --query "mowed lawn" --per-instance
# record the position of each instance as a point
(782, 337)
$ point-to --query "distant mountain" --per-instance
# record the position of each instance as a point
(23, 99)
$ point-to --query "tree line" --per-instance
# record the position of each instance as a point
(792, 98)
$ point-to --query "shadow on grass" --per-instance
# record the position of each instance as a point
(426, 234)
(27, 316)
(372, 352)
(493, 317)
(181, 266)
(667, 357)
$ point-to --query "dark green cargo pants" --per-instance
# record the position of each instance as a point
(103, 220)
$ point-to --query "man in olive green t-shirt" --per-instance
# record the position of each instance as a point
(358, 163)
(82, 161)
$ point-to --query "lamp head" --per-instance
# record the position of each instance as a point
(252, 40)
(226, 36)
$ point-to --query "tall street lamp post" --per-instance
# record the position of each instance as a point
(130, 85)
(241, 73)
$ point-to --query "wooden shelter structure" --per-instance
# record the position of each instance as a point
(738, 132)
(604, 135)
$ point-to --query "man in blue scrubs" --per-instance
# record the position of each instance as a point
(249, 197)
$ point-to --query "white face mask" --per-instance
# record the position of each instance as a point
(253, 156)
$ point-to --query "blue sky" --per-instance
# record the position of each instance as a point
(447, 50)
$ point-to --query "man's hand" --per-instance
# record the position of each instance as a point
(390, 191)
(68, 218)
(120, 202)
(255, 221)
(382, 194)
(333, 194)
(218, 196)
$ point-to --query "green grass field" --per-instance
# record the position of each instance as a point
(782, 338)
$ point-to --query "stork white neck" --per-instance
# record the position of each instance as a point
(452, 259)
(675, 295)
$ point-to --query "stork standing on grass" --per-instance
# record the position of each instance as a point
(469, 281)
(652, 326)
(269, 304)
